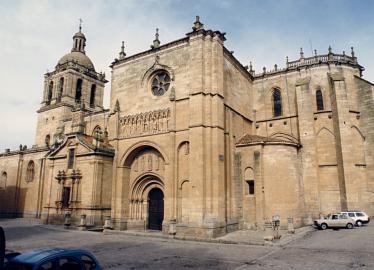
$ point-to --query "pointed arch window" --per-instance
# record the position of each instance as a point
(319, 100)
(78, 91)
(30, 172)
(4, 178)
(277, 103)
(50, 92)
(92, 96)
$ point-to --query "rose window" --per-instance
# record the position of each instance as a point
(160, 83)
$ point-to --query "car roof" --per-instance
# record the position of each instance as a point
(36, 256)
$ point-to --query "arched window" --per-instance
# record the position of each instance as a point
(92, 96)
(78, 91)
(96, 131)
(3, 180)
(50, 92)
(60, 88)
(277, 103)
(319, 100)
(47, 140)
(30, 172)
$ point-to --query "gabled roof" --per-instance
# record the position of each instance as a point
(89, 142)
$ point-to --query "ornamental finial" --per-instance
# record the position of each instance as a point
(301, 53)
(122, 53)
(80, 24)
(330, 50)
(352, 52)
(197, 25)
(156, 42)
(315, 52)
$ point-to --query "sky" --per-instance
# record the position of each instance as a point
(34, 35)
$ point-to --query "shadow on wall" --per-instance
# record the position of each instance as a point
(12, 202)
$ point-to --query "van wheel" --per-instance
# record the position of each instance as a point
(359, 223)
(349, 226)
(323, 226)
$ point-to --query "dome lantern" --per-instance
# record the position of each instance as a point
(79, 40)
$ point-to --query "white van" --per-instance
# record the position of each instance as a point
(360, 217)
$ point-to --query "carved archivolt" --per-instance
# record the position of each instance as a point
(147, 123)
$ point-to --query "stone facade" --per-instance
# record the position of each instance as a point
(194, 143)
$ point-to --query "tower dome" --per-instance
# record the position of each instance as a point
(78, 54)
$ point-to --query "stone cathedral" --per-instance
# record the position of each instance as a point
(194, 142)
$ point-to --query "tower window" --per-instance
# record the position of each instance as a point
(50, 92)
(60, 87)
(92, 96)
(251, 187)
(277, 103)
(71, 158)
(78, 91)
(319, 100)
(30, 172)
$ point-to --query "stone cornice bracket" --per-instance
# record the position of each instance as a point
(302, 81)
(336, 76)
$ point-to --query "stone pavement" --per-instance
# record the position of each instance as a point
(305, 250)
(244, 237)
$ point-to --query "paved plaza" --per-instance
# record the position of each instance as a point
(330, 249)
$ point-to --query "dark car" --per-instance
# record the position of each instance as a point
(9, 255)
(53, 259)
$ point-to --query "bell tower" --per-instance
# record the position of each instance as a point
(73, 82)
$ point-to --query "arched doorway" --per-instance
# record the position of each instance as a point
(155, 209)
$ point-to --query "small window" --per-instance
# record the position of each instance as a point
(343, 216)
(360, 214)
(334, 217)
(71, 158)
(251, 187)
(277, 103)
(89, 263)
(351, 214)
(319, 100)
(30, 172)
(65, 197)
